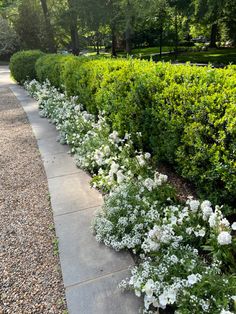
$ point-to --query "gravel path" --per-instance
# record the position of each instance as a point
(30, 275)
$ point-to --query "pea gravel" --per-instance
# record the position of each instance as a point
(30, 275)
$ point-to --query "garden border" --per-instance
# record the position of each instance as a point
(91, 271)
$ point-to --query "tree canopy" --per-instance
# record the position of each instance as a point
(73, 25)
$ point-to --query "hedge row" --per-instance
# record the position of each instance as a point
(22, 65)
(187, 114)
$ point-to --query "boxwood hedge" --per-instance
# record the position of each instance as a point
(187, 114)
(22, 65)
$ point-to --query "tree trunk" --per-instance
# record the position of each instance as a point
(161, 39)
(113, 45)
(128, 43)
(176, 33)
(97, 43)
(50, 36)
(74, 39)
(214, 30)
(74, 27)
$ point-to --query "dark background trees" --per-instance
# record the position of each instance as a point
(75, 25)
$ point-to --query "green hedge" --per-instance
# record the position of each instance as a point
(187, 114)
(22, 65)
(51, 67)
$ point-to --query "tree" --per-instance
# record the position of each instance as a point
(92, 16)
(29, 25)
(50, 41)
(159, 12)
(73, 22)
(210, 12)
(9, 42)
(114, 18)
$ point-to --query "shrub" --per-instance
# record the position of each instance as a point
(50, 67)
(22, 65)
(186, 114)
(83, 77)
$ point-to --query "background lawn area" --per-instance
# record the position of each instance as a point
(214, 56)
(218, 56)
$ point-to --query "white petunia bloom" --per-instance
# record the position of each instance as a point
(120, 176)
(213, 220)
(163, 300)
(224, 238)
(149, 287)
(226, 312)
(160, 178)
(194, 204)
(204, 204)
(192, 279)
(225, 222)
(233, 226)
(206, 211)
(114, 136)
(141, 160)
(147, 155)
(149, 184)
(114, 168)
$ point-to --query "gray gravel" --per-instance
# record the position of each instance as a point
(30, 275)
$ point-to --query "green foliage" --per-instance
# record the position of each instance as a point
(51, 67)
(186, 114)
(83, 77)
(22, 65)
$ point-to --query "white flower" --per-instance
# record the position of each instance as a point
(192, 279)
(206, 209)
(174, 259)
(114, 168)
(149, 287)
(160, 178)
(202, 233)
(212, 220)
(225, 222)
(226, 312)
(147, 155)
(224, 238)
(148, 183)
(233, 226)
(120, 176)
(163, 300)
(205, 203)
(141, 160)
(194, 204)
(189, 230)
(114, 137)
(107, 150)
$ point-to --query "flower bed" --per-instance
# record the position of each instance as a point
(186, 250)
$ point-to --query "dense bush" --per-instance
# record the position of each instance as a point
(186, 114)
(50, 67)
(83, 77)
(22, 65)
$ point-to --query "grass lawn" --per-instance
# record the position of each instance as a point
(214, 56)
(150, 50)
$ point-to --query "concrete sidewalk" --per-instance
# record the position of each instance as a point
(91, 271)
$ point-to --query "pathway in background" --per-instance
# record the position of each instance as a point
(91, 271)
